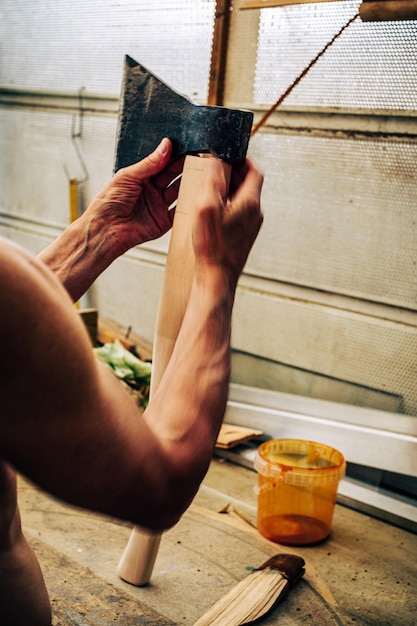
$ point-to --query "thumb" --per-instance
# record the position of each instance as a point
(151, 164)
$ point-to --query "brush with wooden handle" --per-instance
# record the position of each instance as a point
(256, 594)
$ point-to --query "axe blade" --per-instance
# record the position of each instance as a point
(150, 110)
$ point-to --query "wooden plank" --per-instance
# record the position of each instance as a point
(109, 330)
(369, 10)
(231, 435)
(388, 10)
(90, 319)
(264, 4)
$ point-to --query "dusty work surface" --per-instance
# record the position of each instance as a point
(366, 573)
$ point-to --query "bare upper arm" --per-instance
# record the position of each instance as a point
(39, 326)
(68, 424)
(65, 421)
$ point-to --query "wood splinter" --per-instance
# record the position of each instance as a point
(256, 594)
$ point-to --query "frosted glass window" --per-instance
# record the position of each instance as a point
(64, 46)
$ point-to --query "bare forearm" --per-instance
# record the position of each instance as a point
(190, 402)
(79, 255)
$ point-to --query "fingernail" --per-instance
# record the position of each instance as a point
(164, 146)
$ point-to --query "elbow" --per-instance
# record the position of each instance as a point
(173, 494)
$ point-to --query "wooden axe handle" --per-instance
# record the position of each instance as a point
(138, 559)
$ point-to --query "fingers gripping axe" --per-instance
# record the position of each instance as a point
(150, 111)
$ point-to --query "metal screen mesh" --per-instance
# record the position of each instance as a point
(371, 65)
(340, 213)
(340, 216)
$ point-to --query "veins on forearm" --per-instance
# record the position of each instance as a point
(76, 257)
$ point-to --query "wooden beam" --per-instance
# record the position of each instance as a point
(219, 52)
(388, 10)
(108, 331)
(369, 10)
(264, 4)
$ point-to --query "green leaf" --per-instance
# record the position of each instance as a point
(124, 364)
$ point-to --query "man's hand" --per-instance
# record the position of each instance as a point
(225, 229)
(136, 205)
(133, 208)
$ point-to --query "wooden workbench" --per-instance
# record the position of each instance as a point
(366, 573)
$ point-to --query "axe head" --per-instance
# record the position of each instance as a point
(150, 110)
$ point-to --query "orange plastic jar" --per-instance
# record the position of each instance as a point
(297, 487)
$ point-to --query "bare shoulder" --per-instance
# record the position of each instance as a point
(28, 291)
(39, 326)
(19, 269)
(10, 254)
(9, 250)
